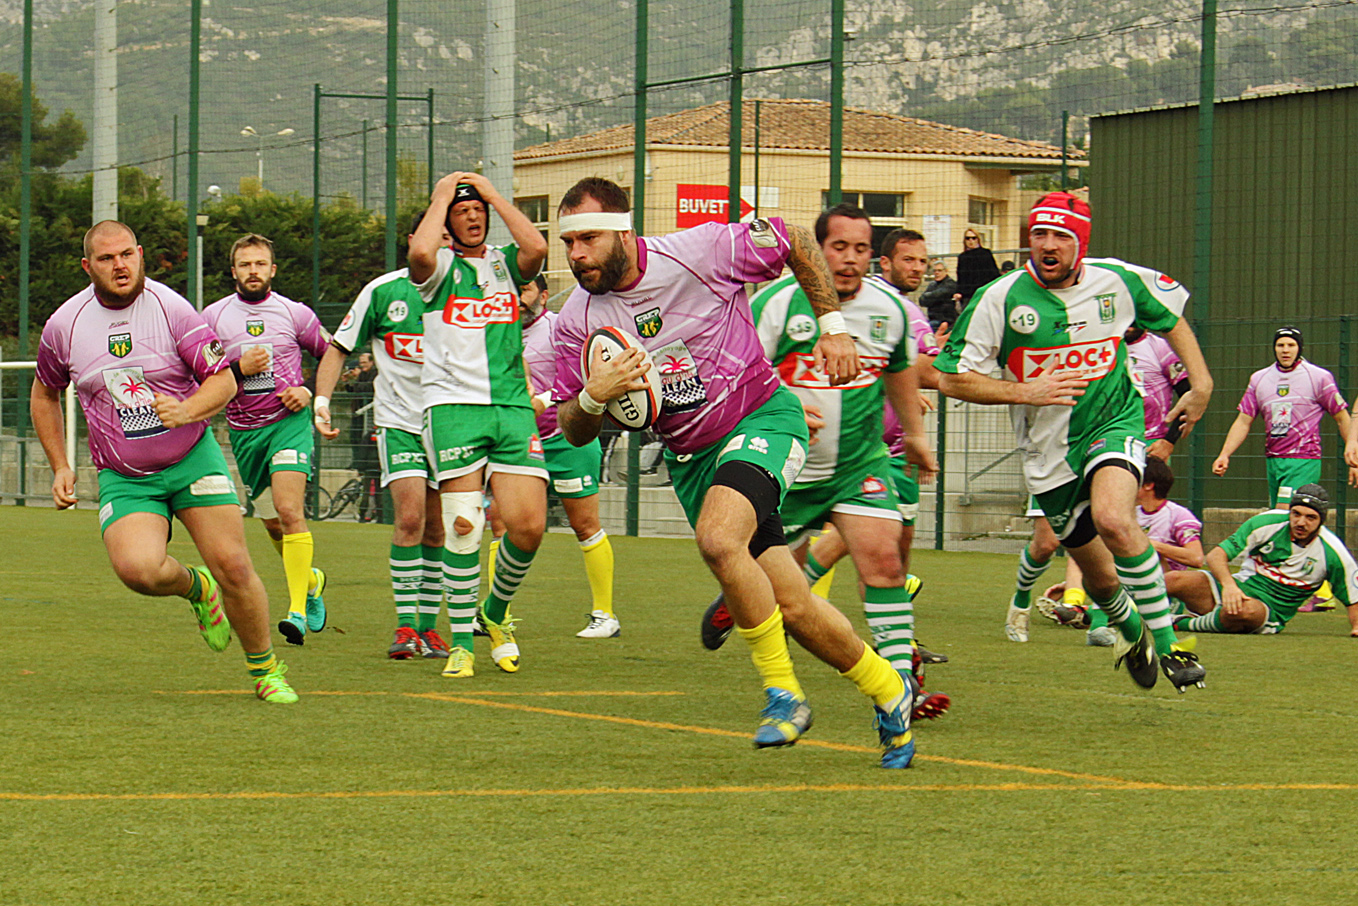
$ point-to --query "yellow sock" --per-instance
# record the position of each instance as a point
(1325, 593)
(277, 544)
(822, 586)
(297, 553)
(1074, 597)
(768, 650)
(876, 678)
(599, 568)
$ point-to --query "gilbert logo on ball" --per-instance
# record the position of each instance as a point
(635, 410)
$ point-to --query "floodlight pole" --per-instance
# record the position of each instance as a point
(1202, 231)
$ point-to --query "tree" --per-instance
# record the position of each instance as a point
(53, 144)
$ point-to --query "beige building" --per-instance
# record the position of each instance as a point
(905, 172)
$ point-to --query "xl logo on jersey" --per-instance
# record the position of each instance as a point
(120, 344)
(254, 326)
(408, 347)
(1086, 361)
(475, 314)
(796, 371)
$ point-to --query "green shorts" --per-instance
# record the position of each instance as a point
(1063, 506)
(460, 439)
(773, 437)
(863, 491)
(285, 446)
(1282, 606)
(1286, 475)
(907, 489)
(402, 456)
(574, 470)
(202, 478)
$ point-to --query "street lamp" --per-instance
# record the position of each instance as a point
(250, 131)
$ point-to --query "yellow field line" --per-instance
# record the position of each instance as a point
(679, 791)
(711, 731)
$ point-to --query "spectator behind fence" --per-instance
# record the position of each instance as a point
(939, 300)
(975, 267)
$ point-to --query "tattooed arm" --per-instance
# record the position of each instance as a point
(835, 354)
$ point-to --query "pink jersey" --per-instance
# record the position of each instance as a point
(1293, 404)
(1160, 369)
(926, 344)
(1170, 524)
(690, 311)
(119, 358)
(541, 359)
(281, 326)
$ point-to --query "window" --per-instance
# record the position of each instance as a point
(535, 208)
(887, 210)
(982, 217)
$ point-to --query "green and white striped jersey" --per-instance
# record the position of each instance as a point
(390, 313)
(1283, 574)
(1020, 326)
(878, 322)
(473, 341)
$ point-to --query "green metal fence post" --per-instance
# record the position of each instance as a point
(638, 227)
(316, 195)
(836, 101)
(365, 164)
(430, 179)
(1341, 470)
(191, 208)
(941, 482)
(736, 100)
(392, 50)
(1065, 143)
(1202, 233)
(25, 237)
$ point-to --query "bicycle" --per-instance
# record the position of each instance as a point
(362, 490)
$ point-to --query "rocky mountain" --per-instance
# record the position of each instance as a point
(1003, 65)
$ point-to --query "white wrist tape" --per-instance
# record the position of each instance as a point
(832, 322)
(546, 398)
(322, 402)
(595, 220)
(590, 404)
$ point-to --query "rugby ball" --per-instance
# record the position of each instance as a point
(635, 410)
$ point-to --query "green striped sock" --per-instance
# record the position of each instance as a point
(407, 564)
(1121, 614)
(813, 568)
(431, 588)
(461, 582)
(1141, 576)
(891, 619)
(511, 565)
(1208, 622)
(1029, 572)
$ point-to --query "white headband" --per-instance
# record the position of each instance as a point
(596, 220)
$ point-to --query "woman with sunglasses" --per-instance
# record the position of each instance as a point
(975, 267)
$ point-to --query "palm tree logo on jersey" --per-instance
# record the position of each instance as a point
(673, 365)
(120, 344)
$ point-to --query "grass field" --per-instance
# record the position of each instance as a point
(135, 768)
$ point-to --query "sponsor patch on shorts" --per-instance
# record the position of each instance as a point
(210, 485)
(568, 486)
(796, 458)
(105, 513)
(287, 458)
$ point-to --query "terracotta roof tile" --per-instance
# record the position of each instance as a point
(804, 125)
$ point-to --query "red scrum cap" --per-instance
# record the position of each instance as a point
(1063, 212)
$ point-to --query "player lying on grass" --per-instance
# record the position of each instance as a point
(1055, 329)
(1287, 557)
(1175, 534)
(734, 438)
(149, 373)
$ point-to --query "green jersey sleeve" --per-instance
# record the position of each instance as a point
(511, 253)
(903, 354)
(1236, 543)
(1341, 569)
(1159, 299)
(974, 344)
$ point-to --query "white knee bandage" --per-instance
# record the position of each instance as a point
(465, 505)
